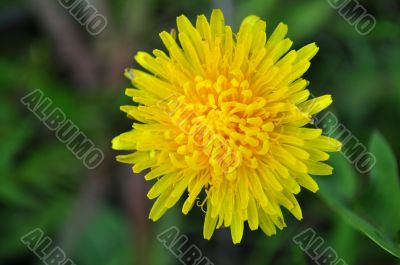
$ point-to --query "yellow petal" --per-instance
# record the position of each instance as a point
(209, 223)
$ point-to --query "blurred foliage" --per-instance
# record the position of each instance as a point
(376, 214)
(42, 183)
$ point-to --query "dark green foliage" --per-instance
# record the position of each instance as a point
(100, 216)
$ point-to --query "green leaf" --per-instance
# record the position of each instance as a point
(377, 216)
(360, 223)
(383, 199)
(343, 239)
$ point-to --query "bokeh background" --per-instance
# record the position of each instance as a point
(100, 216)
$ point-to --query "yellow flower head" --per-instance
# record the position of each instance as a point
(220, 119)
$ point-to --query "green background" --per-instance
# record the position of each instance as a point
(100, 216)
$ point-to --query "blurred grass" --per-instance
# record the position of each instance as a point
(42, 183)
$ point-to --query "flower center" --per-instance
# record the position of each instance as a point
(222, 123)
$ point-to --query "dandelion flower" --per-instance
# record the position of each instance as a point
(220, 120)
